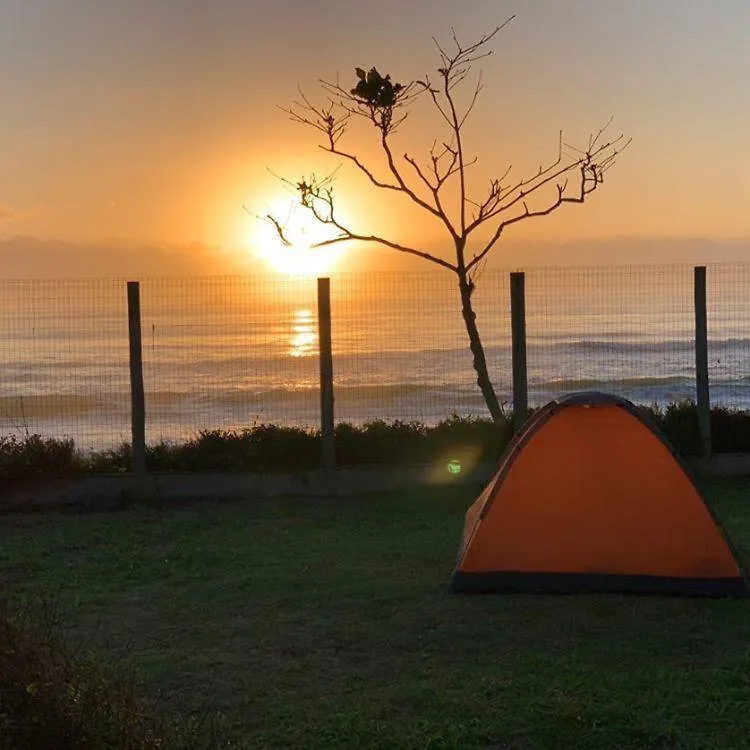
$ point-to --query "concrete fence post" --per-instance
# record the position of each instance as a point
(703, 399)
(326, 372)
(137, 398)
(518, 334)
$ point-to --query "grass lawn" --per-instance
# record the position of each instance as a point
(326, 624)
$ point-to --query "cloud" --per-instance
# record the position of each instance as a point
(34, 257)
(621, 251)
(6, 213)
(614, 251)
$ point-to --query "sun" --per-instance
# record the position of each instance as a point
(303, 232)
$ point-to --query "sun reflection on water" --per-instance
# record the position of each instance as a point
(304, 336)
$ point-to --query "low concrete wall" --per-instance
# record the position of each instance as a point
(722, 464)
(111, 492)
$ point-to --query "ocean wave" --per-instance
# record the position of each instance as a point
(51, 405)
(348, 393)
(215, 404)
(279, 358)
(636, 347)
(575, 384)
(492, 350)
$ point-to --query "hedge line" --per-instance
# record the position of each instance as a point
(289, 449)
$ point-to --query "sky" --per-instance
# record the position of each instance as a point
(140, 136)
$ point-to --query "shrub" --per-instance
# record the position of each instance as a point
(110, 461)
(398, 442)
(679, 424)
(22, 457)
(50, 699)
(487, 439)
(380, 442)
(269, 447)
(257, 448)
(730, 428)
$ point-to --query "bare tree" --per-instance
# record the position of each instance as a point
(438, 185)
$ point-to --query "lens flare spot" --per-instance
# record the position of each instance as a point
(454, 466)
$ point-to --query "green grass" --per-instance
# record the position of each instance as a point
(326, 624)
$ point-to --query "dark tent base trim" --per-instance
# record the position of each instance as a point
(516, 582)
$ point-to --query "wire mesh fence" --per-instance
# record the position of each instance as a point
(64, 360)
(728, 303)
(400, 349)
(227, 352)
(627, 331)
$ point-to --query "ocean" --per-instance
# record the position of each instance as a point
(228, 352)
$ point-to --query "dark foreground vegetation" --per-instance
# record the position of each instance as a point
(311, 624)
(54, 694)
(288, 449)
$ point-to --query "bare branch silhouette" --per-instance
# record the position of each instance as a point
(439, 184)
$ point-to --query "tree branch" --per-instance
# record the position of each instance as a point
(591, 176)
(455, 67)
(317, 197)
(353, 237)
(382, 102)
(435, 190)
(500, 199)
(402, 183)
(363, 168)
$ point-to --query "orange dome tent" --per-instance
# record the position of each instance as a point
(589, 496)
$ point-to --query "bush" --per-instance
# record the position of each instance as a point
(679, 424)
(50, 699)
(257, 448)
(379, 442)
(275, 448)
(730, 428)
(34, 455)
(269, 447)
(110, 461)
(486, 437)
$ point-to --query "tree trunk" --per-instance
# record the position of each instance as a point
(475, 344)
